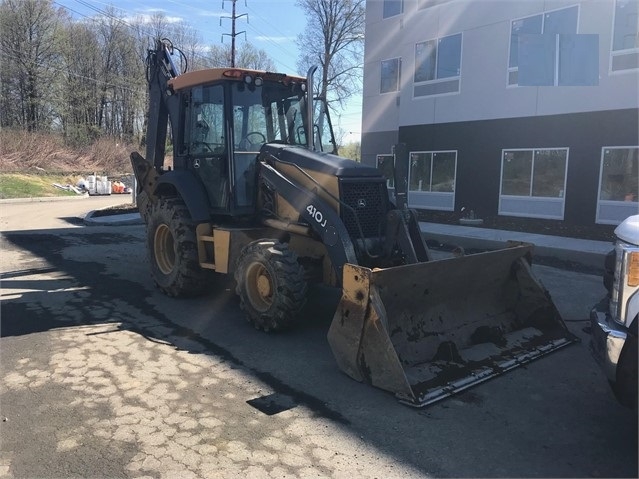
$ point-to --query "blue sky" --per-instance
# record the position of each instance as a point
(272, 26)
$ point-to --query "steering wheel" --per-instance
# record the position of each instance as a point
(205, 146)
(214, 148)
(246, 142)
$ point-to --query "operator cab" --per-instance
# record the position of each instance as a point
(226, 121)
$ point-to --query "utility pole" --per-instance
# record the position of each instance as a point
(233, 33)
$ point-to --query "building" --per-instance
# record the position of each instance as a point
(510, 108)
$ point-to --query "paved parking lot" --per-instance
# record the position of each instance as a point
(102, 376)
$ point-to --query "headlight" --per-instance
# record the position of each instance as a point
(626, 280)
(633, 269)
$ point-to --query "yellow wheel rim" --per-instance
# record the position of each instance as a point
(164, 248)
(259, 287)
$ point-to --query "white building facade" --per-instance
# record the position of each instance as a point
(507, 107)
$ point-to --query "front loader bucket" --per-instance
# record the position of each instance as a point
(429, 330)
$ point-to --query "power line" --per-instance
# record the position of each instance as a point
(138, 27)
(268, 38)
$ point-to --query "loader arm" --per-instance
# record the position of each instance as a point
(163, 104)
(403, 225)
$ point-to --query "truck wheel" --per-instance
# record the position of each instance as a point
(270, 284)
(172, 249)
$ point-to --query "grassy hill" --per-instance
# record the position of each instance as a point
(31, 163)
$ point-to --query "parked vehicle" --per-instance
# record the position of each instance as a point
(614, 320)
(257, 191)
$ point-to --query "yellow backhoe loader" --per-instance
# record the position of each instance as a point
(256, 190)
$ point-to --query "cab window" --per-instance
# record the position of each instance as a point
(205, 121)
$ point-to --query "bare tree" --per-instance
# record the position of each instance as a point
(101, 79)
(248, 56)
(28, 44)
(86, 77)
(78, 91)
(187, 39)
(334, 40)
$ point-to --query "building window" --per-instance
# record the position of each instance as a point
(393, 7)
(618, 184)
(432, 178)
(545, 50)
(386, 164)
(390, 74)
(625, 36)
(421, 4)
(533, 182)
(438, 66)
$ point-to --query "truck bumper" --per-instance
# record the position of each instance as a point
(606, 340)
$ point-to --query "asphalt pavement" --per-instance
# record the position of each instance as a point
(103, 376)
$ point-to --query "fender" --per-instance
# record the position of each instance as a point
(189, 188)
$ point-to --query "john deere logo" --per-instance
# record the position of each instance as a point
(361, 203)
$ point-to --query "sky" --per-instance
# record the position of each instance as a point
(272, 26)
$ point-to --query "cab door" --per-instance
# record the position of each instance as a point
(205, 141)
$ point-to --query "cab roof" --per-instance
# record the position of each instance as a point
(203, 77)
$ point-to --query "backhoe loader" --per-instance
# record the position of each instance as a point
(257, 191)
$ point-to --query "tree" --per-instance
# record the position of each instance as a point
(77, 93)
(28, 44)
(180, 34)
(187, 39)
(101, 79)
(247, 56)
(334, 40)
(351, 150)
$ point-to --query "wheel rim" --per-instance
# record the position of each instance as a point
(259, 287)
(164, 248)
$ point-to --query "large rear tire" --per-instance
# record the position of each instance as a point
(172, 249)
(270, 284)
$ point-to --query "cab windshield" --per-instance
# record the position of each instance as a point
(277, 112)
(267, 113)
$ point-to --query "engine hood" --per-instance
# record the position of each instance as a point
(318, 161)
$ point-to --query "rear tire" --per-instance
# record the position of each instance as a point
(270, 284)
(172, 249)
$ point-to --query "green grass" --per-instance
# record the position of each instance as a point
(17, 185)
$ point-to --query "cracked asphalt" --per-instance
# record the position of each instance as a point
(102, 376)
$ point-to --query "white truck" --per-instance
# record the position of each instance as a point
(614, 321)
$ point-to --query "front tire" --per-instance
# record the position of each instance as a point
(270, 284)
(172, 249)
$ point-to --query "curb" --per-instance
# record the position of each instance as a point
(586, 253)
(125, 219)
(43, 199)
